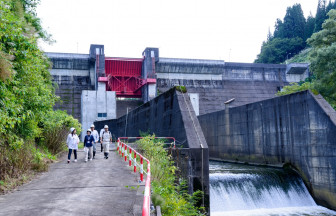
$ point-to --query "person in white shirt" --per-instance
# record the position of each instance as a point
(95, 135)
(72, 142)
(106, 139)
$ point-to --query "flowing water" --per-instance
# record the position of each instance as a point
(239, 190)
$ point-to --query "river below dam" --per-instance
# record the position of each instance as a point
(244, 190)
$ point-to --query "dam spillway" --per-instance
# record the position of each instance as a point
(249, 190)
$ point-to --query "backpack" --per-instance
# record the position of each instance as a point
(103, 135)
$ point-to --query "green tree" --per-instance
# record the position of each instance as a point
(293, 25)
(278, 50)
(321, 15)
(294, 22)
(26, 93)
(27, 90)
(309, 27)
(329, 7)
(323, 58)
(279, 31)
(288, 39)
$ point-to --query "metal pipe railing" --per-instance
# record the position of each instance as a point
(171, 138)
(122, 148)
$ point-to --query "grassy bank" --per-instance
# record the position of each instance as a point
(19, 167)
(168, 190)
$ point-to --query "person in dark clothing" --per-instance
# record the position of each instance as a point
(88, 145)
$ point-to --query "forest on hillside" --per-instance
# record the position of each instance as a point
(315, 38)
(290, 34)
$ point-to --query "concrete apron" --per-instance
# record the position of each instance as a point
(97, 187)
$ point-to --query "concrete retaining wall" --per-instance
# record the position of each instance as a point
(299, 129)
(170, 115)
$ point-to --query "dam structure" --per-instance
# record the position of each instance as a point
(296, 130)
(134, 81)
(228, 111)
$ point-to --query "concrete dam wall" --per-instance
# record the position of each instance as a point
(299, 129)
(72, 73)
(170, 115)
(216, 81)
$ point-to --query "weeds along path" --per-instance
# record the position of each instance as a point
(98, 187)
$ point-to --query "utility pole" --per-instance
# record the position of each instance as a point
(126, 120)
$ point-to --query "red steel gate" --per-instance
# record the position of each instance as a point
(124, 76)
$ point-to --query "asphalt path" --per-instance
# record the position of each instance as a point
(98, 187)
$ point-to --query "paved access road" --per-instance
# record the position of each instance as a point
(93, 188)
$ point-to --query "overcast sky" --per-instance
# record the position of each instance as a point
(230, 30)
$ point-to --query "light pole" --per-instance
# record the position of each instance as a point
(287, 57)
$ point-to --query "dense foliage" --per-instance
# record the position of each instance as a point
(279, 49)
(323, 58)
(26, 92)
(323, 62)
(169, 192)
(302, 57)
(290, 35)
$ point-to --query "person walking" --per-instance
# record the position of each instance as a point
(101, 142)
(72, 142)
(95, 135)
(105, 139)
(88, 145)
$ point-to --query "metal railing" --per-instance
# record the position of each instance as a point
(173, 143)
(126, 151)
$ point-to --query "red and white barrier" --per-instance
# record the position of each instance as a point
(141, 168)
(123, 151)
(130, 157)
(146, 202)
(135, 155)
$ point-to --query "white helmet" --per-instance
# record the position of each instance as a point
(88, 130)
(72, 129)
(92, 125)
(105, 126)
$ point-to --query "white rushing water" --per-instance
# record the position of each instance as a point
(252, 191)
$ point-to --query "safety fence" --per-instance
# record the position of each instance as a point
(129, 154)
(126, 152)
(170, 140)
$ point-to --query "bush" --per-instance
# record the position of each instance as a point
(15, 164)
(171, 194)
(181, 89)
(295, 87)
(56, 126)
